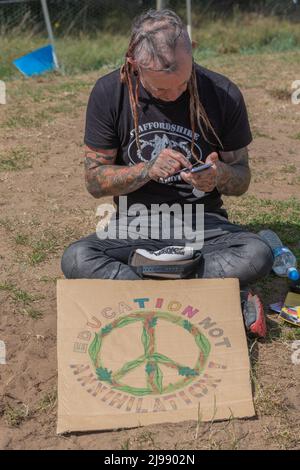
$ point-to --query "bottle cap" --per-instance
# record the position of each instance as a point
(293, 274)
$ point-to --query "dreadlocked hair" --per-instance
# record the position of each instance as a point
(153, 41)
(198, 114)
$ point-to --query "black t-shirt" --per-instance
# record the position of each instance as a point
(110, 125)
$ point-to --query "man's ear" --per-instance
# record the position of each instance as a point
(194, 45)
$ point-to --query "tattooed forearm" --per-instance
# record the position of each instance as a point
(112, 180)
(233, 177)
(98, 158)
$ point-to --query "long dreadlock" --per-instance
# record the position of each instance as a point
(154, 35)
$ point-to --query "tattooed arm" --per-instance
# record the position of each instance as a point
(104, 178)
(233, 173)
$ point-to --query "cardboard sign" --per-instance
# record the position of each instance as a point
(134, 353)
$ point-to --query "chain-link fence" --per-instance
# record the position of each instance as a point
(72, 17)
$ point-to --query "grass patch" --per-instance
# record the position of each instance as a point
(64, 108)
(126, 444)
(288, 168)
(146, 438)
(21, 239)
(15, 415)
(289, 333)
(281, 94)
(15, 159)
(41, 249)
(268, 399)
(7, 224)
(49, 279)
(285, 434)
(23, 300)
(41, 245)
(294, 181)
(279, 330)
(296, 136)
(47, 402)
(67, 88)
(48, 89)
(32, 313)
(17, 294)
(22, 119)
(281, 216)
(256, 133)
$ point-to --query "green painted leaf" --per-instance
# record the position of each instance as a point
(187, 325)
(94, 348)
(106, 329)
(134, 391)
(145, 340)
(126, 321)
(128, 367)
(104, 374)
(203, 344)
(161, 358)
(158, 378)
(187, 371)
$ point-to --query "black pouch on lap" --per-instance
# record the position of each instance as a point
(179, 269)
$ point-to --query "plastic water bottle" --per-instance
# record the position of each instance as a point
(285, 263)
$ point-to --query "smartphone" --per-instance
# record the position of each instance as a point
(197, 169)
(194, 169)
(176, 177)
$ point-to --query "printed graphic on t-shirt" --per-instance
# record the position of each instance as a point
(156, 136)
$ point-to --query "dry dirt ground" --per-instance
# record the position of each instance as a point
(45, 206)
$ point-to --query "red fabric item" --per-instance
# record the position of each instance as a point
(259, 327)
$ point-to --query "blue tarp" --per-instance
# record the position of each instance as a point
(36, 62)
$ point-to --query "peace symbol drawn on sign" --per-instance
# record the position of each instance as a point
(151, 358)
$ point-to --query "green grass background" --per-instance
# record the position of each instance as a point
(241, 34)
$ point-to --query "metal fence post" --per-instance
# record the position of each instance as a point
(160, 4)
(189, 17)
(49, 30)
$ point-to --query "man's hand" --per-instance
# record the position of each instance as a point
(204, 181)
(166, 164)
